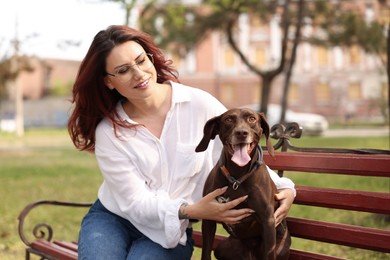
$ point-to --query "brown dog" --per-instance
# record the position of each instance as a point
(241, 168)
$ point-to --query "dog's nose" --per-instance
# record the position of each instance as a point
(241, 133)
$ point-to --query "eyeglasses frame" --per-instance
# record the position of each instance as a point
(148, 55)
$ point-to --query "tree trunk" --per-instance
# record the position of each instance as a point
(266, 76)
(292, 61)
(265, 92)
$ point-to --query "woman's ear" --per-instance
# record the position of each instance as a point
(107, 82)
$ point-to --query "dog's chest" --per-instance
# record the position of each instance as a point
(232, 194)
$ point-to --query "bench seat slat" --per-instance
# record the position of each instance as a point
(67, 245)
(341, 234)
(304, 255)
(374, 202)
(354, 164)
(294, 254)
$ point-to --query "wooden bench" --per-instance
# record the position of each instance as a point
(359, 162)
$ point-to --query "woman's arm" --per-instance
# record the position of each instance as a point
(285, 196)
(127, 192)
(286, 199)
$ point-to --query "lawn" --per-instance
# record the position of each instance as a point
(44, 165)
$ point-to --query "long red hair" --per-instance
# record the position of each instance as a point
(93, 100)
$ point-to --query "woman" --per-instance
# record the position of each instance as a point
(143, 127)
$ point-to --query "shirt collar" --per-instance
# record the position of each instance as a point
(180, 94)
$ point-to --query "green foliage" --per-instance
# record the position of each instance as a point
(180, 27)
(173, 26)
(61, 88)
(343, 27)
(237, 6)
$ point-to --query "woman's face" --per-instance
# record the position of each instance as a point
(130, 70)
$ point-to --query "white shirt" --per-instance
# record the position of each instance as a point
(146, 179)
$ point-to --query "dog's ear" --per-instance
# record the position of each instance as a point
(266, 131)
(210, 130)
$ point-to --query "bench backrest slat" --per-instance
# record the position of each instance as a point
(348, 235)
(354, 164)
(374, 202)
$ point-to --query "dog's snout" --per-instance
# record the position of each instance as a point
(241, 133)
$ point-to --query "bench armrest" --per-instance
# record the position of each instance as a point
(42, 230)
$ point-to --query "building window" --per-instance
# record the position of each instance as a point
(177, 60)
(260, 56)
(322, 53)
(293, 93)
(227, 95)
(384, 16)
(255, 21)
(323, 93)
(228, 57)
(354, 91)
(255, 90)
(354, 54)
(385, 89)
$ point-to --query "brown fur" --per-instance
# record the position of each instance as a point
(255, 237)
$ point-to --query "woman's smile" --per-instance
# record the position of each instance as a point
(142, 85)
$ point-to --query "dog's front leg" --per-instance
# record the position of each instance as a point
(269, 235)
(208, 233)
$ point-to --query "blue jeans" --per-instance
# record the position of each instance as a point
(107, 236)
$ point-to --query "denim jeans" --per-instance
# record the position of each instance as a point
(107, 236)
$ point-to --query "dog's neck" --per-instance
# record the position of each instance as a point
(240, 174)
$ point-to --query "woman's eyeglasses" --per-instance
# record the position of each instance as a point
(126, 72)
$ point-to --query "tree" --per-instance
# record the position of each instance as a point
(7, 72)
(229, 13)
(291, 62)
(171, 23)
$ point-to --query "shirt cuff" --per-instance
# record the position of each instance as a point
(174, 227)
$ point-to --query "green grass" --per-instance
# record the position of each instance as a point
(44, 165)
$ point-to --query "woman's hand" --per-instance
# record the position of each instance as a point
(286, 198)
(209, 208)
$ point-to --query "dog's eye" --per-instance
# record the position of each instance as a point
(252, 119)
(229, 120)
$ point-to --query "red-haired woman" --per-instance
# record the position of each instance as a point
(143, 126)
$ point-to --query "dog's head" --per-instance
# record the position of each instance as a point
(240, 131)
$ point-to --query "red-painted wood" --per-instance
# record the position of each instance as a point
(354, 164)
(374, 202)
(56, 251)
(340, 234)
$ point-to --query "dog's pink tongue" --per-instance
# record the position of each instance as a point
(241, 156)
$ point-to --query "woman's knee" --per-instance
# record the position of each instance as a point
(103, 237)
(146, 249)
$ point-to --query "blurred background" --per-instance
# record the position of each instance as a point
(326, 58)
(321, 63)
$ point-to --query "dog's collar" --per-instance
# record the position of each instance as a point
(236, 183)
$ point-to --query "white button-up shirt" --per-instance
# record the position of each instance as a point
(146, 178)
